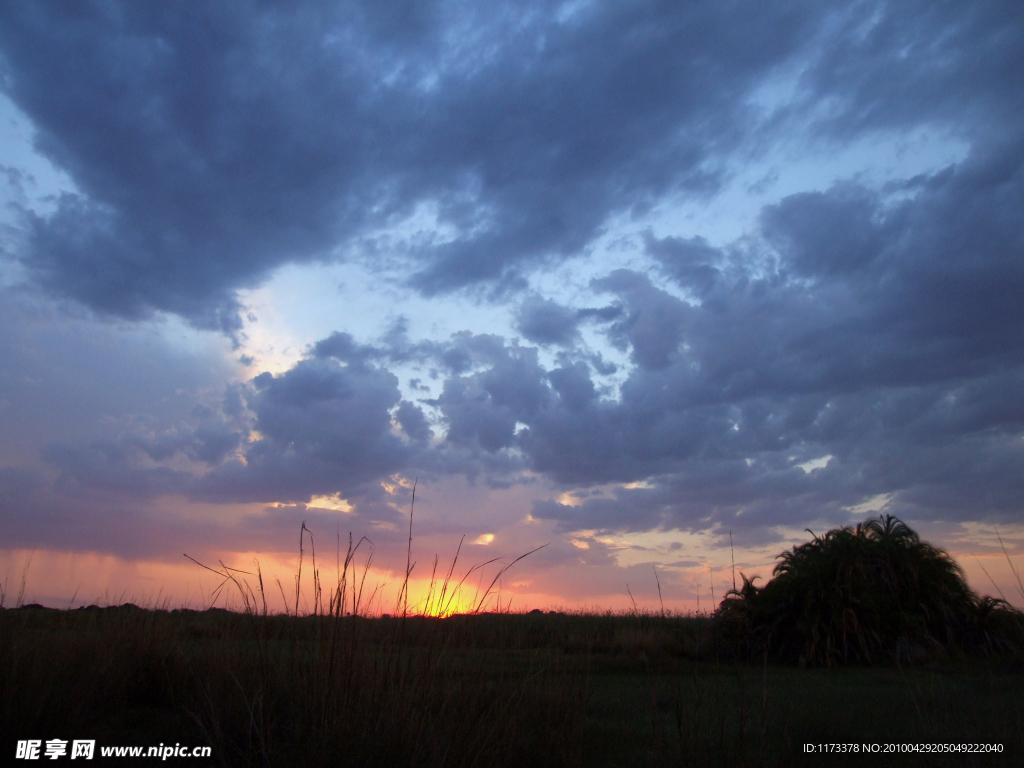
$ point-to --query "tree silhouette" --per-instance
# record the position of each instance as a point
(871, 593)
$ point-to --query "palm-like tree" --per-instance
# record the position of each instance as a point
(862, 595)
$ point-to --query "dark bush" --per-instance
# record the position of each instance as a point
(865, 595)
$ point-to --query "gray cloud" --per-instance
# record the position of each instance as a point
(887, 336)
(691, 261)
(213, 145)
(881, 326)
(655, 321)
(413, 422)
(484, 408)
(64, 377)
(898, 65)
(543, 321)
(324, 428)
(548, 323)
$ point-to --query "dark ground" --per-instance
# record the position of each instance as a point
(488, 690)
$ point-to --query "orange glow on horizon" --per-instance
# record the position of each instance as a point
(70, 580)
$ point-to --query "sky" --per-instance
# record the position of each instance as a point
(657, 286)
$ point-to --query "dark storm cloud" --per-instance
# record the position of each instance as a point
(654, 323)
(319, 428)
(324, 428)
(573, 385)
(484, 408)
(882, 330)
(880, 327)
(342, 346)
(211, 145)
(838, 232)
(889, 335)
(911, 63)
(543, 321)
(691, 261)
(547, 322)
(413, 422)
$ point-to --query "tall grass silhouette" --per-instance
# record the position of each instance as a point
(398, 689)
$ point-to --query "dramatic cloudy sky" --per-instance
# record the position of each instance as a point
(622, 278)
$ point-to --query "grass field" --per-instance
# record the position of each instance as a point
(484, 690)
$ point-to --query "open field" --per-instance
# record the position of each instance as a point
(487, 690)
